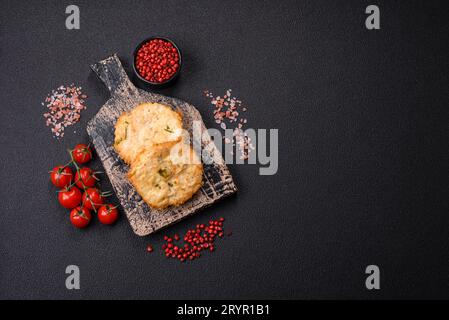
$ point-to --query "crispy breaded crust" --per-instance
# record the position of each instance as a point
(122, 141)
(147, 124)
(166, 174)
(164, 170)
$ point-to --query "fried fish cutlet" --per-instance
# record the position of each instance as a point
(166, 174)
(145, 125)
(163, 168)
(123, 139)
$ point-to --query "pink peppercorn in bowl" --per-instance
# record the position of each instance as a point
(157, 61)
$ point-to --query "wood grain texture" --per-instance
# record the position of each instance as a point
(144, 220)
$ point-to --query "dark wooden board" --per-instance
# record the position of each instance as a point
(144, 220)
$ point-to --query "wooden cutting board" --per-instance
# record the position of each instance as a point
(144, 220)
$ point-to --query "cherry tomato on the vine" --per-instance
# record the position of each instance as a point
(80, 217)
(85, 177)
(70, 197)
(107, 214)
(92, 198)
(82, 153)
(61, 176)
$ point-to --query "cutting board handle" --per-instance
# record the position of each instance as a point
(111, 72)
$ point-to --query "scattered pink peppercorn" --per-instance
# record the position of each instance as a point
(198, 239)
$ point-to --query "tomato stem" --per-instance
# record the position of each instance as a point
(78, 172)
(77, 168)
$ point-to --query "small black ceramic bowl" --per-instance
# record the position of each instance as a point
(157, 84)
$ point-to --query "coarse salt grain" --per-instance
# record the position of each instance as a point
(64, 106)
(227, 109)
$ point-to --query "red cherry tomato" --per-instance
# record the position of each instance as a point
(70, 197)
(85, 176)
(82, 153)
(107, 214)
(80, 217)
(92, 198)
(61, 176)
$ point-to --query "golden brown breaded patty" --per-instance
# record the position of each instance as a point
(122, 141)
(145, 125)
(166, 174)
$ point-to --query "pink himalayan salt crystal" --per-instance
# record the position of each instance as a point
(64, 106)
(226, 108)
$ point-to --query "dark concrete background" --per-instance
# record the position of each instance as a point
(363, 124)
